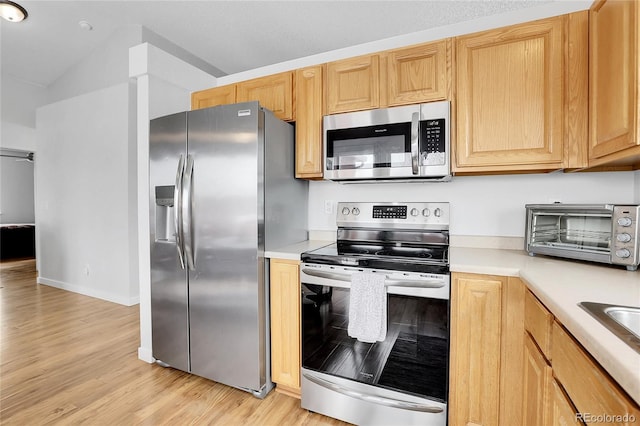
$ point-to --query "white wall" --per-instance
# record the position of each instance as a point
(481, 205)
(18, 112)
(82, 207)
(16, 191)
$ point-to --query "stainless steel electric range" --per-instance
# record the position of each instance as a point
(403, 378)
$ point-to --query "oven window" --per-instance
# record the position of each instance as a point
(370, 147)
(413, 358)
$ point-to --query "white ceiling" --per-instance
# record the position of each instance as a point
(232, 36)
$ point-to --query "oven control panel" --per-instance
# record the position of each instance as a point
(410, 215)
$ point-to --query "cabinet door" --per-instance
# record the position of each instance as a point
(417, 74)
(353, 84)
(613, 78)
(537, 385)
(274, 92)
(589, 387)
(561, 410)
(222, 95)
(510, 86)
(285, 325)
(476, 324)
(309, 122)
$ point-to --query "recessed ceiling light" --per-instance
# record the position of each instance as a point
(12, 12)
(85, 25)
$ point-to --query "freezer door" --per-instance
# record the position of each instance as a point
(226, 287)
(169, 301)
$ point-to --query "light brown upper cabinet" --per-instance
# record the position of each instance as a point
(215, 96)
(414, 74)
(274, 92)
(613, 83)
(522, 96)
(309, 111)
(353, 84)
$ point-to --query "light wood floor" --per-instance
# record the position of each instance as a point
(72, 359)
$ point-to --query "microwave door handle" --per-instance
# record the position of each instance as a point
(415, 135)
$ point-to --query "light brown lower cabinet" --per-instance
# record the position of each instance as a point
(486, 350)
(285, 325)
(536, 382)
(567, 386)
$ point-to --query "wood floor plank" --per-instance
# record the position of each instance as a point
(69, 359)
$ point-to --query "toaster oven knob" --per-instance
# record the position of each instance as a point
(623, 253)
(414, 212)
(345, 211)
(623, 238)
(426, 212)
(355, 211)
(437, 212)
(624, 221)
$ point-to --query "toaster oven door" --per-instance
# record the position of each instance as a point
(576, 234)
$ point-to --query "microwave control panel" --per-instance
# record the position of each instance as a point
(432, 142)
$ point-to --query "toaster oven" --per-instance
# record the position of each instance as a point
(605, 233)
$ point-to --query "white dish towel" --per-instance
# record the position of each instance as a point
(368, 307)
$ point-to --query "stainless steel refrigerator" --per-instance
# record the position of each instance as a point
(222, 192)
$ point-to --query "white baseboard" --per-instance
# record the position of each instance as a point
(110, 297)
(146, 355)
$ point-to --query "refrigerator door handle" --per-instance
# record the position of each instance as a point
(177, 210)
(187, 212)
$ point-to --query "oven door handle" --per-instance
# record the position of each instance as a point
(426, 283)
(389, 402)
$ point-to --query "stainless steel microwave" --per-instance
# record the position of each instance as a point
(399, 143)
(605, 233)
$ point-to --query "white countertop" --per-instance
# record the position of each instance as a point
(293, 251)
(560, 285)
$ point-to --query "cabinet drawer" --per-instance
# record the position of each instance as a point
(538, 321)
(592, 391)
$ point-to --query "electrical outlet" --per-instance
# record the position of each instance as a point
(328, 206)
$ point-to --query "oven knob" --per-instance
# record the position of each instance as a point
(414, 212)
(624, 221)
(623, 253)
(437, 212)
(623, 238)
(345, 211)
(355, 211)
(426, 212)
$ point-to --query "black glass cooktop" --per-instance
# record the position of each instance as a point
(431, 259)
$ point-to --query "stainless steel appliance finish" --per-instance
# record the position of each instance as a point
(221, 185)
(397, 144)
(403, 379)
(605, 233)
(623, 321)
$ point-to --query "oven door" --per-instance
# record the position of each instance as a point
(401, 380)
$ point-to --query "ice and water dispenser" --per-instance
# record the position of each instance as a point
(165, 223)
